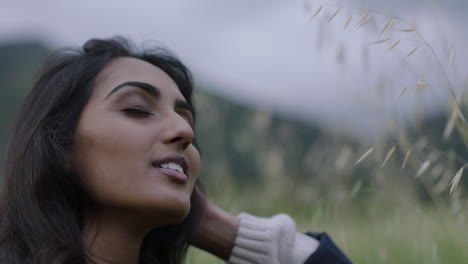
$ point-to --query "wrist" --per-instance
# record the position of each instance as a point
(217, 231)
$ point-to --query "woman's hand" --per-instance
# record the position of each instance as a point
(217, 230)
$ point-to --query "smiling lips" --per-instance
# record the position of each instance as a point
(175, 166)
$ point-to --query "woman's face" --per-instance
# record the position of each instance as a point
(133, 142)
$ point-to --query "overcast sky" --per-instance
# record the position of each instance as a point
(269, 54)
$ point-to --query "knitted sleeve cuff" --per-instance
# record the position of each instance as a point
(270, 240)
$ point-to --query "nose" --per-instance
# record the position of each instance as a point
(178, 132)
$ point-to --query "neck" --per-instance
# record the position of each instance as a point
(114, 238)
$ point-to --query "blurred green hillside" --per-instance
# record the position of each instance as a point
(19, 63)
(265, 163)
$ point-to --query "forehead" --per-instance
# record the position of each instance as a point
(126, 69)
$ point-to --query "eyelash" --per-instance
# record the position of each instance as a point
(136, 112)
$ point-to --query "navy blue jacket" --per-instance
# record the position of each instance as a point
(327, 252)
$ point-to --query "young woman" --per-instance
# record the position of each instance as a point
(102, 167)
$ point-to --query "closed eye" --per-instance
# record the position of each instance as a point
(137, 113)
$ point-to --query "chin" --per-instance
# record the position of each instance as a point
(175, 211)
(181, 216)
(182, 212)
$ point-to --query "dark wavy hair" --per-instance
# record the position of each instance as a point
(43, 202)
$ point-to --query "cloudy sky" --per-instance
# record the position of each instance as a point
(268, 53)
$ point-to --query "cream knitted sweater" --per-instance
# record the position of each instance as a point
(270, 240)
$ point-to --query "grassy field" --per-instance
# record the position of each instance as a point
(389, 228)
(393, 223)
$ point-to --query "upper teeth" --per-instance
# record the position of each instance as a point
(173, 166)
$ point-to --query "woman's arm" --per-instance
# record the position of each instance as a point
(217, 231)
(249, 239)
(258, 240)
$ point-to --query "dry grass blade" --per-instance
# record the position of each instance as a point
(334, 15)
(407, 30)
(405, 161)
(413, 51)
(367, 153)
(420, 84)
(456, 180)
(364, 19)
(356, 188)
(381, 41)
(450, 124)
(316, 13)
(387, 26)
(460, 114)
(389, 155)
(452, 58)
(364, 22)
(423, 168)
(449, 49)
(364, 16)
(348, 22)
(394, 45)
(401, 93)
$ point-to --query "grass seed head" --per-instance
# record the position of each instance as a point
(401, 93)
(381, 41)
(452, 58)
(334, 15)
(450, 124)
(420, 84)
(316, 13)
(413, 51)
(456, 180)
(424, 166)
(348, 22)
(367, 153)
(389, 155)
(449, 49)
(405, 161)
(394, 45)
(387, 26)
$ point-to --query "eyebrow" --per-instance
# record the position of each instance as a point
(148, 88)
(154, 92)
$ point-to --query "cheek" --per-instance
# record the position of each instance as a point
(194, 156)
(108, 149)
(110, 158)
(109, 137)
